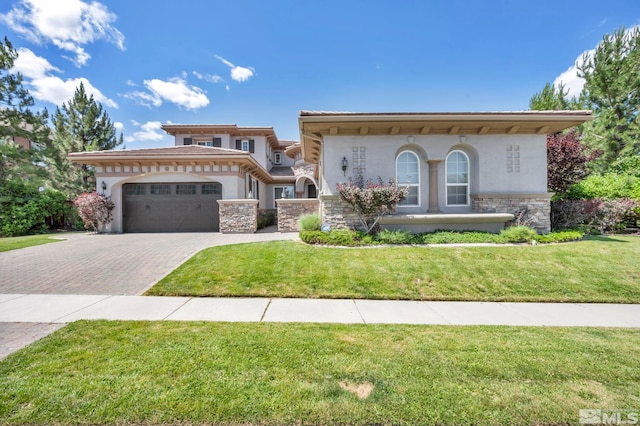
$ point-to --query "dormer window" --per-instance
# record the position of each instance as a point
(245, 145)
(277, 158)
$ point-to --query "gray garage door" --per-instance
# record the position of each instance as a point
(171, 207)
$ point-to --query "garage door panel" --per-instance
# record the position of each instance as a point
(152, 209)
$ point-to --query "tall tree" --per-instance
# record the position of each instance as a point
(553, 98)
(80, 125)
(612, 91)
(17, 120)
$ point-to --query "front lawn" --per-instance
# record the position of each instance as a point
(13, 243)
(601, 269)
(148, 373)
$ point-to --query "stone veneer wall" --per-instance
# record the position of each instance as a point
(337, 213)
(537, 205)
(290, 210)
(238, 216)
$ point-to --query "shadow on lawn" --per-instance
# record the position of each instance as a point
(606, 238)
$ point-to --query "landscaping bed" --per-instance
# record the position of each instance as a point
(131, 373)
(600, 269)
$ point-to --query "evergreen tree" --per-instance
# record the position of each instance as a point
(80, 125)
(17, 120)
(552, 98)
(612, 91)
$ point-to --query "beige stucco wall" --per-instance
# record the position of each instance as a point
(488, 155)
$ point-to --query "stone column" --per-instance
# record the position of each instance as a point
(433, 186)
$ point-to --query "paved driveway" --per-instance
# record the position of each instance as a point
(110, 264)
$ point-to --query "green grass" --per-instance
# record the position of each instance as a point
(601, 269)
(13, 243)
(128, 373)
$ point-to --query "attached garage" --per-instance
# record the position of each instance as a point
(171, 207)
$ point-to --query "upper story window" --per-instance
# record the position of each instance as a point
(408, 174)
(246, 145)
(214, 142)
(277, 158)
(457, 171)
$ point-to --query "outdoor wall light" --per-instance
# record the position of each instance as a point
(410, 139)
(463, 139)
(345, 163)
(104, 187)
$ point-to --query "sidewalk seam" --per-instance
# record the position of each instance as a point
(358, 310)
(266, 308)
(177, 309)
(78, 310)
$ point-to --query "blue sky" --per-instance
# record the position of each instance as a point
(257, 63)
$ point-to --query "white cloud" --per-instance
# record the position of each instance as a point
(239, 74)
(55, 90)
(211, 78)
(149, 131)
(176, 90)
(572, 83)
(143, 98)
(50, 88)
(118, 126)
(32, 66)
(68, 24)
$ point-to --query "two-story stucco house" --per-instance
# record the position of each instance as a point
(178, 188)
(464, 170)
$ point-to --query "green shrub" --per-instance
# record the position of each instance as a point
(310, 222)
(395, 237)
(560, 236)
(336, 237)
(518, 234)
(607, 186)
(459, 237)
(267, 218)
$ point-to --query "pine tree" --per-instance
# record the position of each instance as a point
(612, 91)
(17, 120)
(552, 98)
(80, 125)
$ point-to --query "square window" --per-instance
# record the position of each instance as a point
(160, 189)
(185, 189)
(210, 188)
(135, 189)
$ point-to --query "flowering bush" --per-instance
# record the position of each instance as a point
(371, 200)
(94, 209)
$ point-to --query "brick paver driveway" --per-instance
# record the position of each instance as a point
(112, 264)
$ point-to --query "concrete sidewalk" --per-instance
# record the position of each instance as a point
(55, 309)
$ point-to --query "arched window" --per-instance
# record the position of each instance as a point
(457, 168)
(408, 174)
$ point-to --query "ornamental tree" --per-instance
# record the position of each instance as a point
(371, 200)
(94, 209)
(567, 159)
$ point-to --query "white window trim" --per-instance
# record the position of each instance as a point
(447, 184)
(277, 158)
(245, 145)
(418, 184)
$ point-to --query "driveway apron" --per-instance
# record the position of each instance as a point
(107, 264)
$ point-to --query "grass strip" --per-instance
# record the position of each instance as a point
(601, 269)
(14, 243)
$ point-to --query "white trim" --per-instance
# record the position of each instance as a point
(418, 184)
(447, 184)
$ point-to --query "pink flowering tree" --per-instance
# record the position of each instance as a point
(94, 209)
(371, 200)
